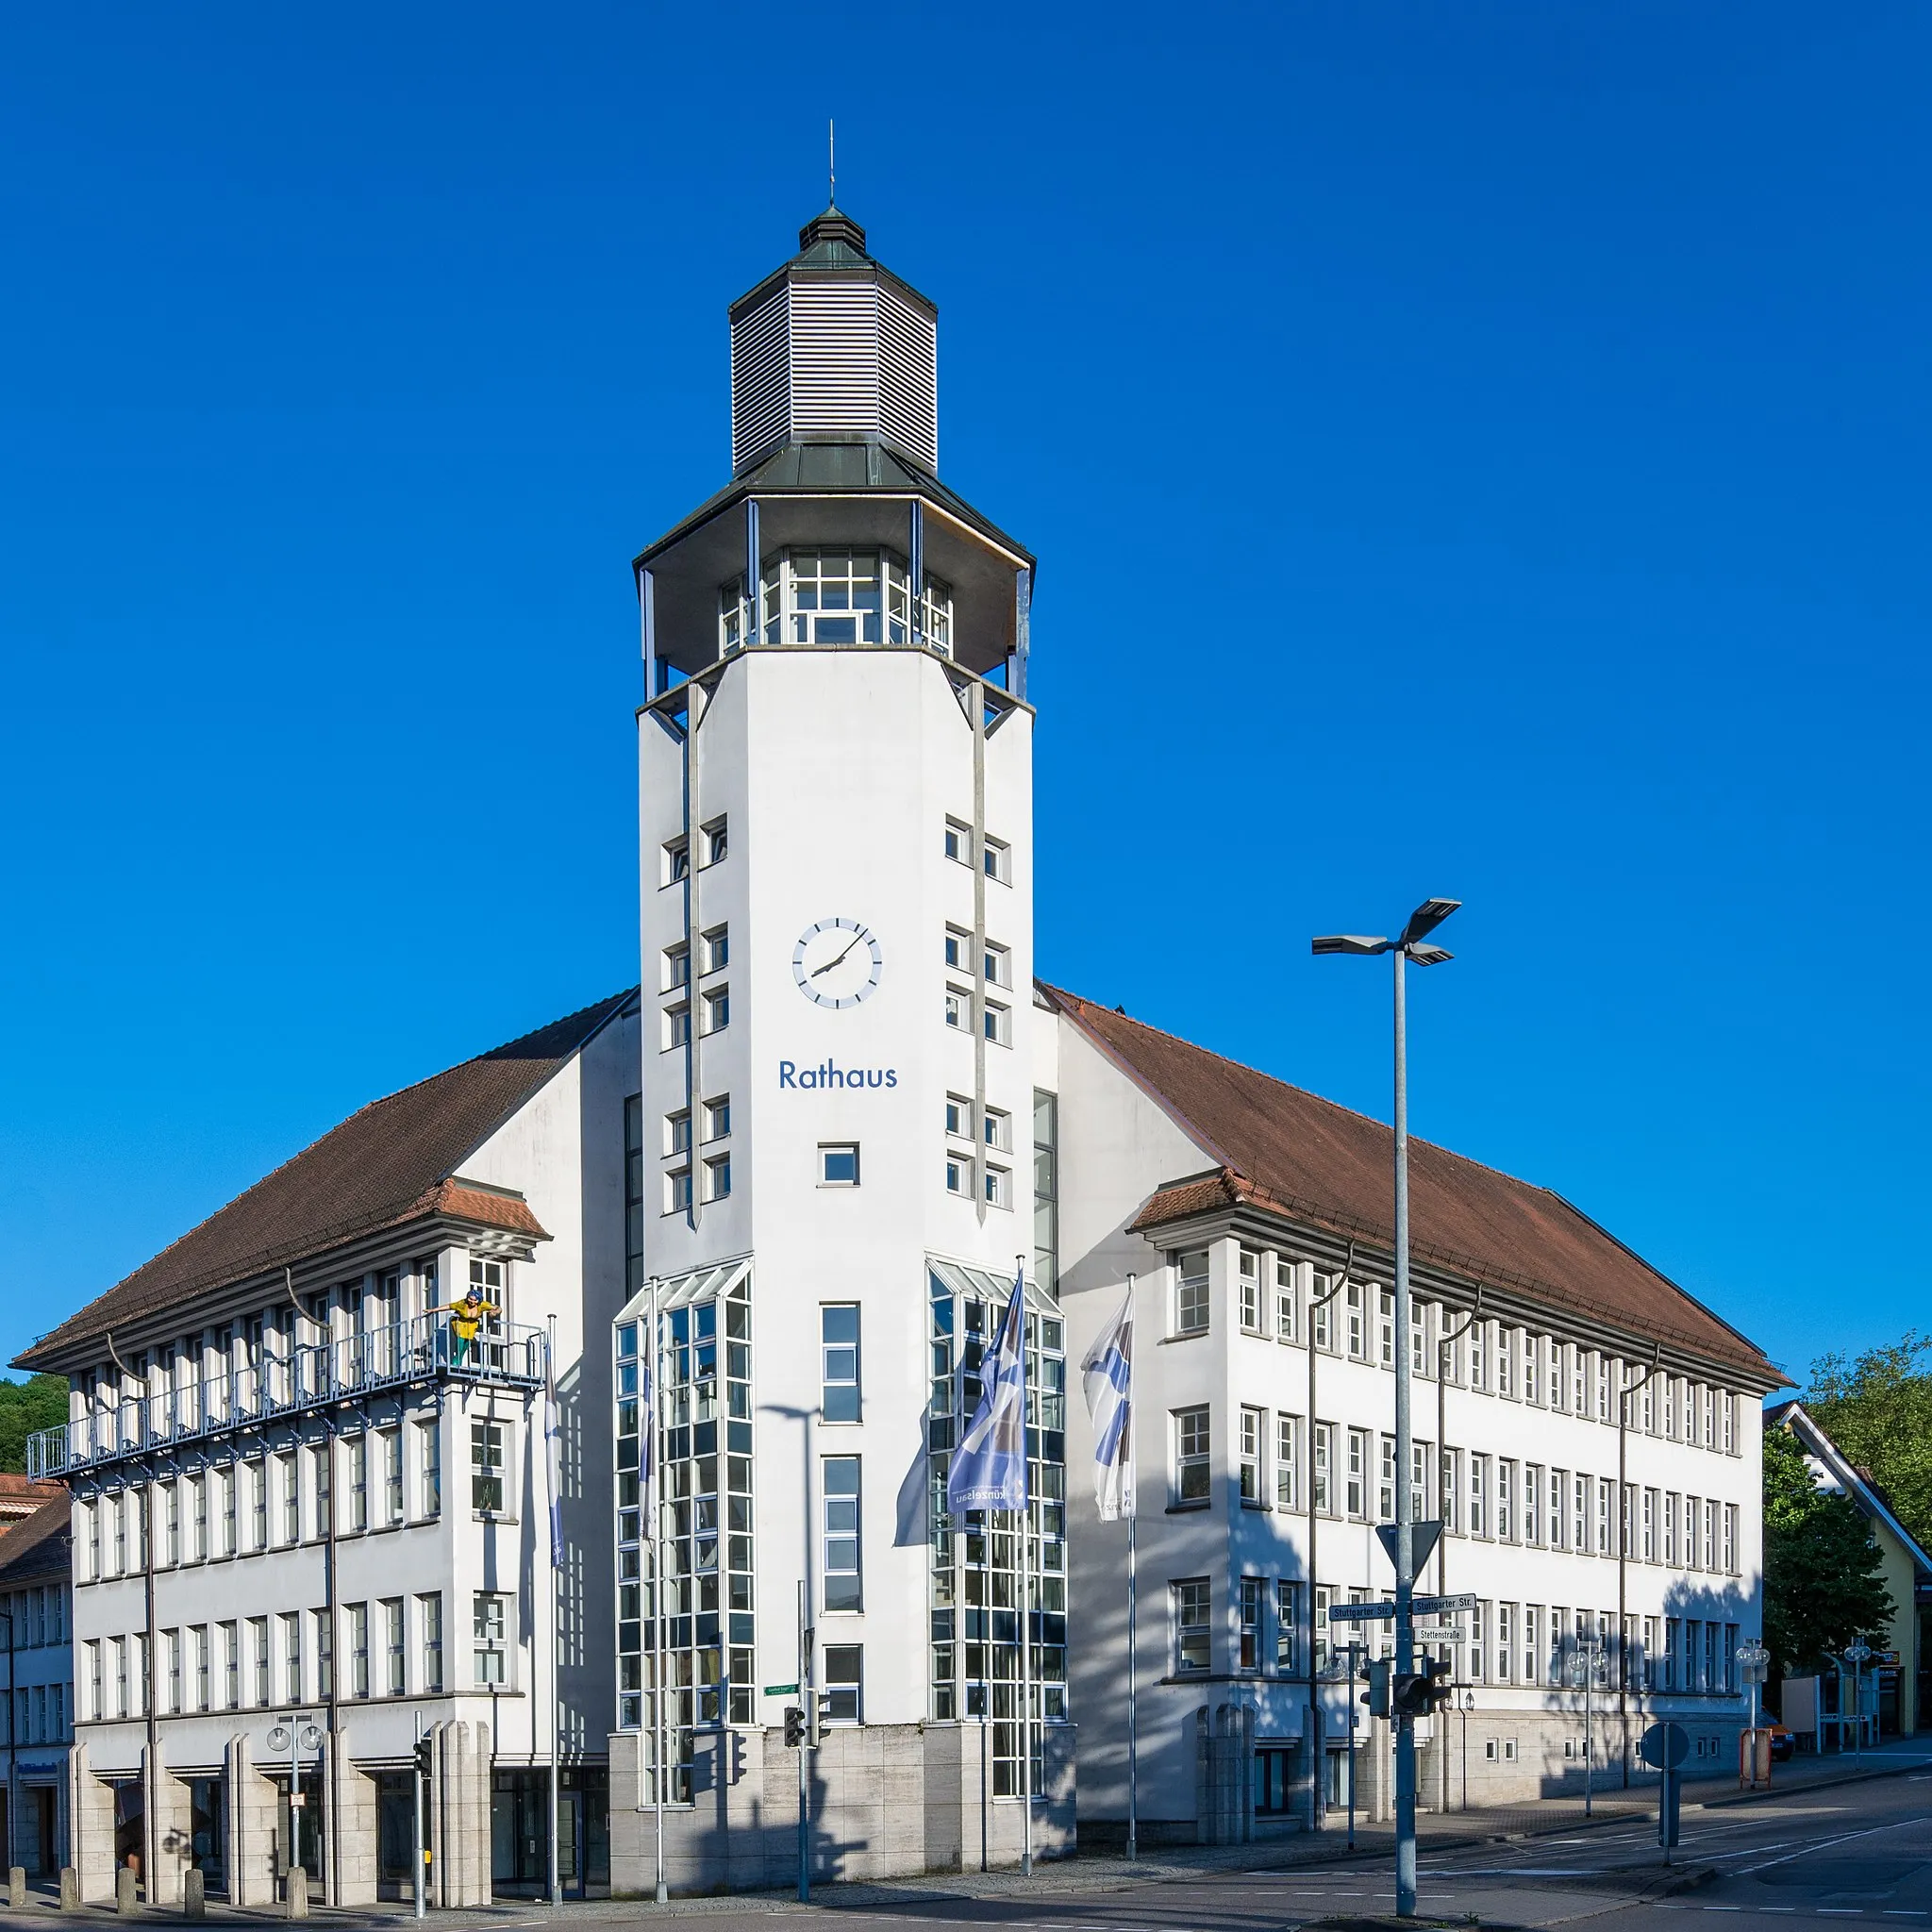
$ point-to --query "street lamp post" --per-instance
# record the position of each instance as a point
(1856, 1655)
(1754, 1659)
(1411, 945)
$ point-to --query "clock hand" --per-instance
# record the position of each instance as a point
(830, 963)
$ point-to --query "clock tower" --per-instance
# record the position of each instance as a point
(833, 1158)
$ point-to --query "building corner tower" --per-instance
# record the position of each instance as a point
(833, 1151)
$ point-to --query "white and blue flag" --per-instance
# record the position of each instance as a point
(1108, 1378)
(989, 1469)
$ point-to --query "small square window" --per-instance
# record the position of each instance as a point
(718, 1178)
(999, 1129)
(959, 949)
(997, 859)
(677, 1026)
(677, 1133)
(718, 1009)
(844, 1683)
(676, 967)
(958, 1008)
(676, 861)
(999, 1024)
(718, 1117)
(958, 842)
(677, 1191)
(959, 1176)
(839, 1164)
(717, 841)
(958, 1117)
(997, 964)
(715, 952)
(999, 1188)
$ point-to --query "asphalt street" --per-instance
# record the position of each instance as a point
(1853, 1852)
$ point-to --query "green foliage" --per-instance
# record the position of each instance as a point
(1822, 1585)
(1878, 1411)
(40, 1403)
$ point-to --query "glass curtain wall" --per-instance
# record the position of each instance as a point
(975, 1556)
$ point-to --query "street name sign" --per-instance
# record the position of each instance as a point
(1438, 1605)
(1361, 1614)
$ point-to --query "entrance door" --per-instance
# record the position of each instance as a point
(570, 1840)
(43, 1819)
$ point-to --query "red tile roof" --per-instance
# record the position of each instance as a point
(38, 1547)
(394, 1162)
(1287, 1150)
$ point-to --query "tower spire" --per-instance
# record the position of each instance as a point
(831, 164)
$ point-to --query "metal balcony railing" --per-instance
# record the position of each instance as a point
(420, 1349)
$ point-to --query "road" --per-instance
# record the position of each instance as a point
(1853, 1852)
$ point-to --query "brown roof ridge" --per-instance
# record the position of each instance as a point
(1340, 1106)
(379, 1166)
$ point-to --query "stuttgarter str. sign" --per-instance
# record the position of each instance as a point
(827, 1073)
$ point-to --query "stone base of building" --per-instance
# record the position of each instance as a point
(886, 1801)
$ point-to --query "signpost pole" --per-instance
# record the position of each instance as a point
(1351, 1744)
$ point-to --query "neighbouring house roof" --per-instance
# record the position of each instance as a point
(1280, 1148)
(1854, 1481)
(396, 1161)
(20, 1498)
(38, 1547)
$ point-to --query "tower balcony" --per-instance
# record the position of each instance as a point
(414, 1352)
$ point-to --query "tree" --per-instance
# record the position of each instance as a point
(1878, 1411)
(40, 1403)
(1822, 1585)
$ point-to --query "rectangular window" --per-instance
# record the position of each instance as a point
(1532, 1502)
(1248, 1282)
(838, 1362)
(959, 1175)
(676, 862)
(1730, 1556)
(1191, 1293)
(677, 1191)
(676, 968)
(714, 952)
(1477, 1624)
(1450, 1483)
(958, 1117)
(678, 1134)
(716, 1006)
(1560, 1498)
(1505, 1660)
(1385, 1481)
(1506, 1500)
(258, 1494)
(392, 1444)
(1532, 1354)
(998, 861)
(359, 1482)
(1670, 1529)
(1419, 1337)
(999, 1188)
(429, 1468)
(1478, 1495)
(1650, 1526)
(959, 948)
(485, 1467)
(842, 1588)
(844, 1685)
(1579, 1514)
(258, 1638)
(1253, 1423)
(197, 1492)
(1532, 1642)
(95, 1707)
(394, 1681)
(1357, 1333)
(1730, 1415)
(171, 1531)
(1603, 1518)
(998, 1024)
(201, 1666)
(718, 1118)
(1505, 1381)
(1321, 1456)
(1709, 1535)
(996, 965)
(325, 1653)
(1356, 1486)
(1320, 1330)
(489, 1642)
(718, 1177)
(1286, 1488)
(1249, 1653)
(958, 1008)
(429, 1620)
(1287, 1624)
(958, 842)
(838, 1163)
(1479, 1355)
(677, 1026)
(1190, 1600)
(1193, 1473)
(359, 1650)
(1284, 1299)
(173, 1639)
(997, 1129)
(717, 841)
(291, 1655)
(1385, 1329)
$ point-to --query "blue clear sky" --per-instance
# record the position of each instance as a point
(1472, 450)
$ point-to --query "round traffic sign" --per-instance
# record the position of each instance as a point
(1666, 1746)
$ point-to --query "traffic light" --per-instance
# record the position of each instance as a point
(820, 1710)
(1417, 1693)
(1380, 1671)
(424, 1752)
(794, 1727)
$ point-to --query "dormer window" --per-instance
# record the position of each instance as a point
(837, 598)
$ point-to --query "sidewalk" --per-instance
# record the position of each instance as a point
(1102, 1871)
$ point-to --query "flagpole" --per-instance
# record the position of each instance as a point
(554, 1481)
(1133, 1507)
(657, 1503)
(1025, 1602)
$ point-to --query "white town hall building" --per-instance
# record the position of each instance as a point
(311, 1524)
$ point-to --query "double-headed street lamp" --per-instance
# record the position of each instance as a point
(1422, 921)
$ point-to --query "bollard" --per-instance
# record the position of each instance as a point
(70, 1889)
(298, 1892)
(125, 1883)
(16, 1887)
(194, 1894)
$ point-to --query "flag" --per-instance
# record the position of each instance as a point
(988, 1469)
(1107, 1377)
(552, 1436)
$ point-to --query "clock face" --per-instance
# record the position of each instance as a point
(836, 962)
